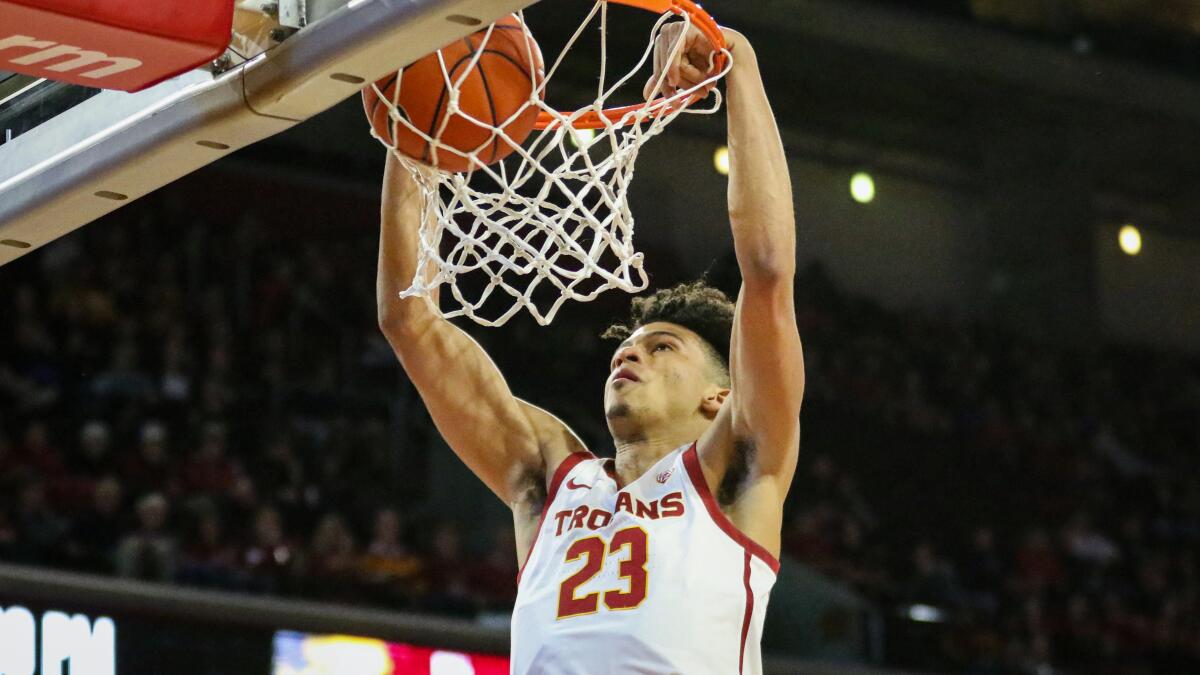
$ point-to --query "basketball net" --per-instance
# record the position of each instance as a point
(553, 218)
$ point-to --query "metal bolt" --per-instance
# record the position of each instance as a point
(222, 63)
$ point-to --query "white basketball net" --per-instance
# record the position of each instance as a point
(555, 211)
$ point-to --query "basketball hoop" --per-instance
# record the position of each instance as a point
(553, 215)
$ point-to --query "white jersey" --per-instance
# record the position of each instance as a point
(647, 578)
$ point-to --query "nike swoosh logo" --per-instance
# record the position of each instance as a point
(571, 484)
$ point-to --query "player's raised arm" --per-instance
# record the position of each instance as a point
(511, 445)
(766, 360)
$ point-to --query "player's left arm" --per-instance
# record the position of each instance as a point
(766, 361)
(750, 452)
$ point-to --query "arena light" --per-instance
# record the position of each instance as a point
(721, 160)
(926, 614)
(581, 138)
(862, 187)
(1130, 240)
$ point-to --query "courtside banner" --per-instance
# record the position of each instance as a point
(111, 44)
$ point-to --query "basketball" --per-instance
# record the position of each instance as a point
(494, 93)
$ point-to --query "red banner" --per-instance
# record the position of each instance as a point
(111, 44)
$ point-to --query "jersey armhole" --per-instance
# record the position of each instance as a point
(691, 462)
(560, 474)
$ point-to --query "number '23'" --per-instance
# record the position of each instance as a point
(595, 552)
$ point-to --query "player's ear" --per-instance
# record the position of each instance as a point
(714, 397)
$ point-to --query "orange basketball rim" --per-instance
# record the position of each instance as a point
(609, 116)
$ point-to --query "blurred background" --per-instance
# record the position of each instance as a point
(999, 298)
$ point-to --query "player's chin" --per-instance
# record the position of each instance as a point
(616, 410)
(617, 391)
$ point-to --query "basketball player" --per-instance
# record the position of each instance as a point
(661, 560)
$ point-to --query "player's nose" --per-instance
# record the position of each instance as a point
(626, 355)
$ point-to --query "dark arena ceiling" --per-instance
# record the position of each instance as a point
(1165, 32)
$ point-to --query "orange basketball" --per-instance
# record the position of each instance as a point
(493, 93)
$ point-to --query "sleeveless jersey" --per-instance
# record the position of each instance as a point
(647, 578)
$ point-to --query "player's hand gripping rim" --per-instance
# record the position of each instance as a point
(682, 66)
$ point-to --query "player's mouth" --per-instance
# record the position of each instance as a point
(625, 374)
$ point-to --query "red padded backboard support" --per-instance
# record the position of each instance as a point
(111, 44)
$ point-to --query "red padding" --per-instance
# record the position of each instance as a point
(112, 44)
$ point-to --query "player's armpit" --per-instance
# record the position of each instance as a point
(766, 364)
(749, 476)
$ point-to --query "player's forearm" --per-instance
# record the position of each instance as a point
(760, 190)
(400, 215)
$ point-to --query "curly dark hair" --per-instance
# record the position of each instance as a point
(700, 308)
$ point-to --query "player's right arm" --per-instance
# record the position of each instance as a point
(507, 442)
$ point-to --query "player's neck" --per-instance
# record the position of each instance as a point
(635, 455)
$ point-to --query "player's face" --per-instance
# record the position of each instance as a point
(661, 371)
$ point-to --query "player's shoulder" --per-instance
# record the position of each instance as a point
(568, 466)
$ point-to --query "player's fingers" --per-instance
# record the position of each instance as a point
(700, 61)
(701, 43)
(691, 75)
(698, 47)
(661, 50)
(673, 74)
(655, 87)
(675, 34)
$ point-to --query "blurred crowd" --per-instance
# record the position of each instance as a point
(1043, 499)
(211, 404)
(208, 404)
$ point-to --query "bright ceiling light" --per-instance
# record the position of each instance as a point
(1130, 240)
(862, 187)
(721, 160)
(582, 138)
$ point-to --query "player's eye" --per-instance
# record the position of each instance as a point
(662, 345)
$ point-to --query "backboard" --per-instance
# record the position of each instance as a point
(70, 154)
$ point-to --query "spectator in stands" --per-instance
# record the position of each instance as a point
(491, 578)
(983, 572)
(94, 536)
(175, 382)
(38, 453)
(331, 560)
(209, 470)
(933, 580)
(149, 552)
(280, 474)
(270, 559)
(1038, 563)
(123, 381)
(208, 558)
(95, 456)
(390, 567)
(448, 572)
(809, 537)
(152, 468)
(39, 529)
